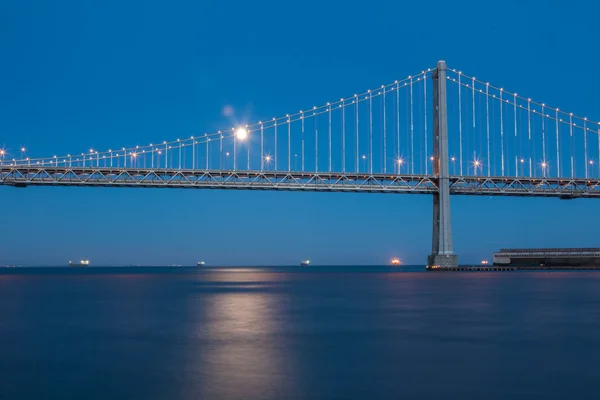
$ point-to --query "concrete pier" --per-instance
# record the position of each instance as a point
(442, 255)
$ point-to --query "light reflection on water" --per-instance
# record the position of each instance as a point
(240, 333)
(297, 334)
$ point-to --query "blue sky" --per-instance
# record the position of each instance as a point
(77, 75)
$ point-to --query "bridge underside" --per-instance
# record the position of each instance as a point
(322, 181)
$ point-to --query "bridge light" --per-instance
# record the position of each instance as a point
(522, 161)
(2, 152)
(241, 133)
(431, 158)
(453, 158)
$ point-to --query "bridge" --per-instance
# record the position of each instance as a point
(438, 132)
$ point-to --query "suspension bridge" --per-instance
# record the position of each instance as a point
(438, 132)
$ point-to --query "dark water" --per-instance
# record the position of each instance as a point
(158, 333)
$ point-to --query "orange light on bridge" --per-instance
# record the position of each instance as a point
(395, 261)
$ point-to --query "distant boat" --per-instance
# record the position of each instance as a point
(201, 263)
(82, 263)
(395, 261)
(305, 263)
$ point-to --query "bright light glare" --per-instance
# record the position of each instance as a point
(241, 133)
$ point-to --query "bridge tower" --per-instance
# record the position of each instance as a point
(442, 255)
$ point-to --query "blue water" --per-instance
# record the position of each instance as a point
(292, 333)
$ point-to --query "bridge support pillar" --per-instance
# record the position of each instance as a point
(442, 255)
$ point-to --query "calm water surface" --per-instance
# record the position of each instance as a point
(290, 333)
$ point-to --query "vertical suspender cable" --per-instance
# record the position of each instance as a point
(384, 134)
(502, 131)
(571, 146)
(487, 119)
(543, 134)
(412, 132)
(557, 147)
(302, 117)
(425, 121)
(370, 132)
(397, 120)
(515, 138)
(343, 136)
(356, 112)
(316, 143)
(585, 157)
(329, 115)
(460, 157)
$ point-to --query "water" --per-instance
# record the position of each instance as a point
(291, 333)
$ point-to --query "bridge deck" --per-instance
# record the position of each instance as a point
(294, 180)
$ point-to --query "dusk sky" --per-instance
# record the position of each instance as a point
(76, 75)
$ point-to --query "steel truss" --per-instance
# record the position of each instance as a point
(519, 186)
(301, 181)
(216, 179)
